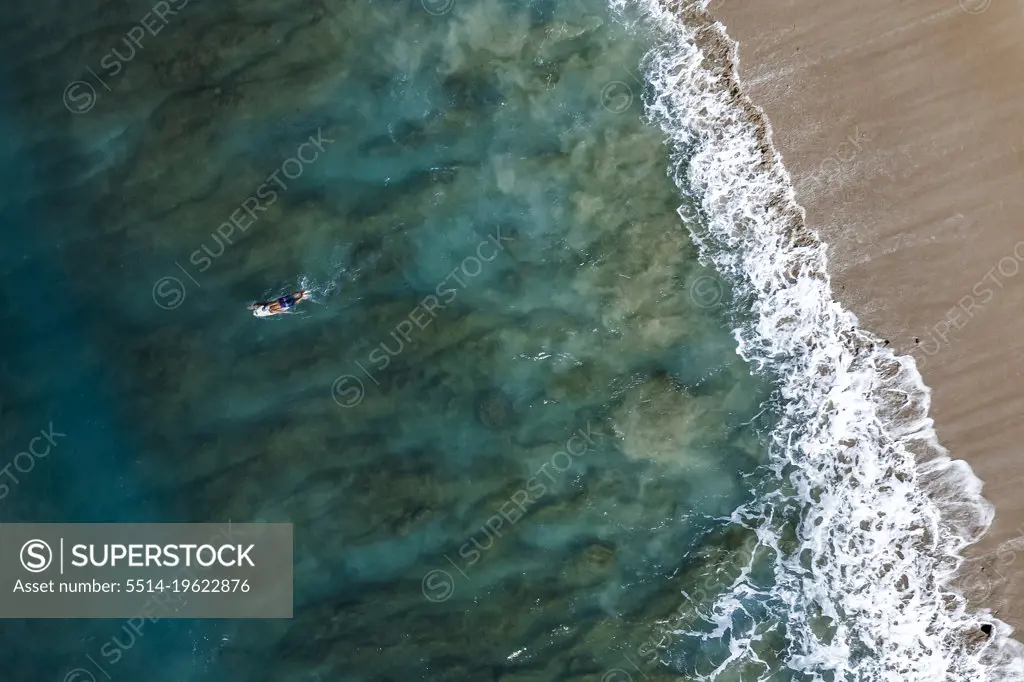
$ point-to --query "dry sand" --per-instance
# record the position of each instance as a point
(900, 124)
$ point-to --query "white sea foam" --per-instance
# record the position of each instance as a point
(884, 513)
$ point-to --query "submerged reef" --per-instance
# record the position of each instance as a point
(512, 416)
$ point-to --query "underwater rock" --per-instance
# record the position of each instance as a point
(494, 409)
(660, 421)
(577, 382)
(599, 556)
(591, 565)
(366, 255)
(409, 519)
(582, 665)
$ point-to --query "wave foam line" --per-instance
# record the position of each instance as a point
(884, 512)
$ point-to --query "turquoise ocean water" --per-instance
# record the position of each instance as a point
(512, 427)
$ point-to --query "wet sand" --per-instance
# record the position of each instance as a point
(900, 126)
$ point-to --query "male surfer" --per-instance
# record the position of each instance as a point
(281, 306)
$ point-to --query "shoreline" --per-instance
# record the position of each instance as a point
(917, 212)
(886, 513)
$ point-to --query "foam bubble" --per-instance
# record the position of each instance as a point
(884, 513)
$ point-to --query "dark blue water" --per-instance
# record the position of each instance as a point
(510, 422)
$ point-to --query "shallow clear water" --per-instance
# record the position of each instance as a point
(508, 429)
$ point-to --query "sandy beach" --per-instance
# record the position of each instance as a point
(899, 124)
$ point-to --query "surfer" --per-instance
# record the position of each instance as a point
(281, 306)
